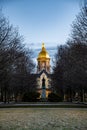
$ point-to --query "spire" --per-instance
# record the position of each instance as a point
(43, 45)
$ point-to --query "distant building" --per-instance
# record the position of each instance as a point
(43, 73)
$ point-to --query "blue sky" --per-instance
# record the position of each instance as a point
(47, 21)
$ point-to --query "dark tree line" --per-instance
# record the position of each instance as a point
(70, 68)
(16, 65)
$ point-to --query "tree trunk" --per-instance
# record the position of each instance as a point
(81, 94)
(5, 96)
(1, 94)
(70, 93)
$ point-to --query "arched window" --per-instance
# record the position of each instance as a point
(43, 83)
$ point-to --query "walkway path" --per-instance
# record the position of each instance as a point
(45, 104)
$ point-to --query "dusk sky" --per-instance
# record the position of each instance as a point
(47, 21)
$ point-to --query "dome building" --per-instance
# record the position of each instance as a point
(43, 73)
(43, 60)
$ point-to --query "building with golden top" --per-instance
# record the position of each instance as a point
(43, 73)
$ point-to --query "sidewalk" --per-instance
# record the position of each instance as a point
(44, 104)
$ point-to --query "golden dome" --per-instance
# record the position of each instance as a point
(43, 53)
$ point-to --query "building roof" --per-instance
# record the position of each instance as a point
(43, 71)
(43, 54)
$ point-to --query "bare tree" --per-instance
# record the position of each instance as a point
(16, 64)
(79, 27)
(70, 70)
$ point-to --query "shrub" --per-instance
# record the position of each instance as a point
(30, 97)
(53, 97)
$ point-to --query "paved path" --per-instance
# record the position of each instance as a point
(44, 104)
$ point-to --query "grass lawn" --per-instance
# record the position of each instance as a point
(43, 118)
